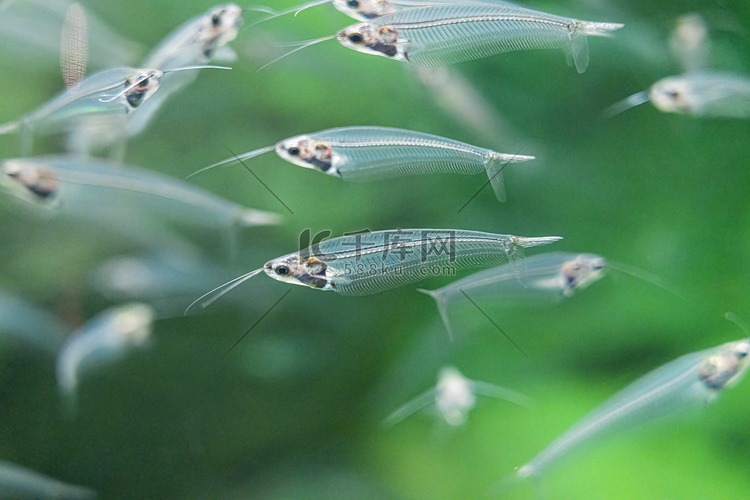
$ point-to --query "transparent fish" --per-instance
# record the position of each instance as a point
(701, 94)
(691, 380)
(454, 397)
(18, 482)
(78, 186)
(375, 153)
(26, 323)
(197, 42)
(32, 29)
(550, 276)
(447, 34)
(364, 10)
(371, 262)
(102, 340)
(117, 91)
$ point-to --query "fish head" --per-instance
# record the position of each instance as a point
(297, 269)
(142, 85)
(672, 95)
(726, 366)
(218, 27)
(371, 38)
(306, 152)
(364, 9)
(29, 179)
(132, 324)
(581, 272)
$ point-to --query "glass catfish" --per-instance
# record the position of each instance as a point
(691, 380)
(549, 276)
(445, 34)
(196, 42)
(76, 186)
(375, 153)
(371, 262)
(101, 340)
(117, 91)
(699, 93)
(454, 397)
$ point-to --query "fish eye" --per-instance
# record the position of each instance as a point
(144, 82)
(282, 270)
(216, 19)
(294, 151)
(672, 94)
(353, 4)
(355, 37)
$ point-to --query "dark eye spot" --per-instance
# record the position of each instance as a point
(673, 94)
(282, 270)
(144, 82)
(216, 19)
(353, 4)
(293, 151)
(355, 38)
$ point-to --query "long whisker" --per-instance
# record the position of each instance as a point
(646, 276)
(207, 66)
(305, 44)
(234, 159)
(274, 14)
(125, 90)
(627, 103)
(737, 321)
(222, 289)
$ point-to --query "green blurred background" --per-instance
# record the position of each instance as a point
(293, 410)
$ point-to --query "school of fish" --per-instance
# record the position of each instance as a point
(96, 114)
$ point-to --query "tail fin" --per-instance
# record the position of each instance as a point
(579, 47)
(441, 305)
(495, 165)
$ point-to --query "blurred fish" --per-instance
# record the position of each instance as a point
(371, 262)
(32, 29)
(454, 396)
(26, 323)
(700, 94)
(375, 153)
(689, 42)
(196, 42)
(18, 482)
(80, 185)
(692, 380)
(115, 91)
(102, 340)
(447, 34)
(549, 276)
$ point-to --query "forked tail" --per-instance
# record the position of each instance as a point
(442, 309)
(495, 165)
(579, 46)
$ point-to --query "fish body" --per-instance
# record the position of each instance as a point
(103, 339)
(439, 35)
(703, 93)
(550, 276)
(364, 10)
(376, 153)
(78, 186)
(454, 397)
(693, 379)
(366, 263)
(196, 42)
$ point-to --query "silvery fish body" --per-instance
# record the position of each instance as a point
(110, 93)
(371, 262)
(703, 93)
(18, 482)
(549, 276)
(454, 397)
(376, 153)
(446, 34)
(80, 186)
(196, 42)
(103, 339)
(691, 380)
